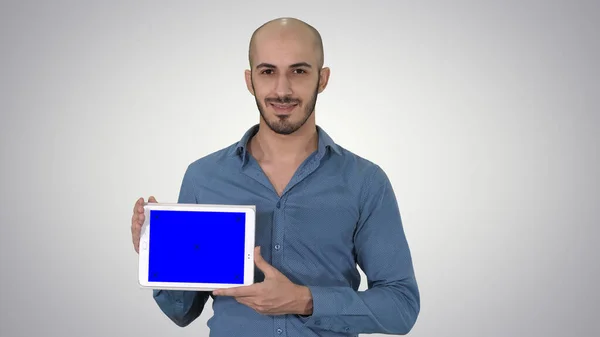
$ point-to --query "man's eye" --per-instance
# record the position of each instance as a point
(267, 71)
(299, 71)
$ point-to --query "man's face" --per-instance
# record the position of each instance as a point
(285, 80)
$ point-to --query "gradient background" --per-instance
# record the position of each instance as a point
(485, 115)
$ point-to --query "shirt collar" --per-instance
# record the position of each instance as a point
(325, 143)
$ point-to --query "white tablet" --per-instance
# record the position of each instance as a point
(197, 247)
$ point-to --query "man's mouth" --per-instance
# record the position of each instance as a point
(283, 108)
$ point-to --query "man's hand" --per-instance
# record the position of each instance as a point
(137, 220)
(276, 295)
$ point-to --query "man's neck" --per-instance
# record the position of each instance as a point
(268, 146)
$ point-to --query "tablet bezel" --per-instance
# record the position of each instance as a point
(144, 248)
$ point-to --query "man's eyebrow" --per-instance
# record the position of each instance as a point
(300, 64)
(295, 65)
(265, 65)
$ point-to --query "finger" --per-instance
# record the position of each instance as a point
(140, 208)
(136, 242)
(233, 292)
(135, 231)
(254, 303)
(250, 303)
(263, 265)
(152, 199)
(244, 300)
(138, 203)
(236, 291)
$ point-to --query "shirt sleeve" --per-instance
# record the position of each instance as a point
(182, 306)
(391, 303)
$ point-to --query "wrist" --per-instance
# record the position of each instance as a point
(305, 301)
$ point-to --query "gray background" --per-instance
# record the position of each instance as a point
(484, 115)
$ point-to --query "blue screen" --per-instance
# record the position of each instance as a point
(196, 247)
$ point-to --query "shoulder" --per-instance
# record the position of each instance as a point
(365, 170)
(369, 180)
(213, 162)
(373, 186)
(353, 168)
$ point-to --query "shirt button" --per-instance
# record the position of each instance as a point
(278, 204)
(277, 247)
(279, 331)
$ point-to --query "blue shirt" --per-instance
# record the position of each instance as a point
(338, 210)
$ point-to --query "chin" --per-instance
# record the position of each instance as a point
(283, 125)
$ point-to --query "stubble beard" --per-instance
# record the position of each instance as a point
(282, 125)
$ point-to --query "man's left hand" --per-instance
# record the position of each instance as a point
(276, 295)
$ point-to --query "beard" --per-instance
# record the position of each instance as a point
(282, 125)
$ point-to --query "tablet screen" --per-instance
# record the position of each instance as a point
(196, 247)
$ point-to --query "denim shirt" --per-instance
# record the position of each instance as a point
(338, 211)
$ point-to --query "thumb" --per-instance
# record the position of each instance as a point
(263, 265)
(152, 199)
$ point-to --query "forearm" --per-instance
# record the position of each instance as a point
(392, 308)
(391, 305)
(182, 307)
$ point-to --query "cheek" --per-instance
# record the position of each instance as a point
(262, 83)
(261, 91)
(306, 87)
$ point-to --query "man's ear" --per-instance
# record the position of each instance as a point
(248, 75)
(323, 78)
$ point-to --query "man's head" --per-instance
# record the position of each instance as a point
(286, 73)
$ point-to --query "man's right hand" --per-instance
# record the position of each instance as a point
(137, 220)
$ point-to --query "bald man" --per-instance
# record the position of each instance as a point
(322, 211)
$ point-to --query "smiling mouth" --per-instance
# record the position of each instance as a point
(283, 108)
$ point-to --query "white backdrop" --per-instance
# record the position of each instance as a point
(484, 115)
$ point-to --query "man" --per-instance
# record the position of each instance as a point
(321, 210)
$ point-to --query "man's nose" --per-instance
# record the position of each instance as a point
(284, 87)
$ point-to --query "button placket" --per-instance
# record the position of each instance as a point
(279, 325)
(278, 233)
(279, 224)
(277, 254)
